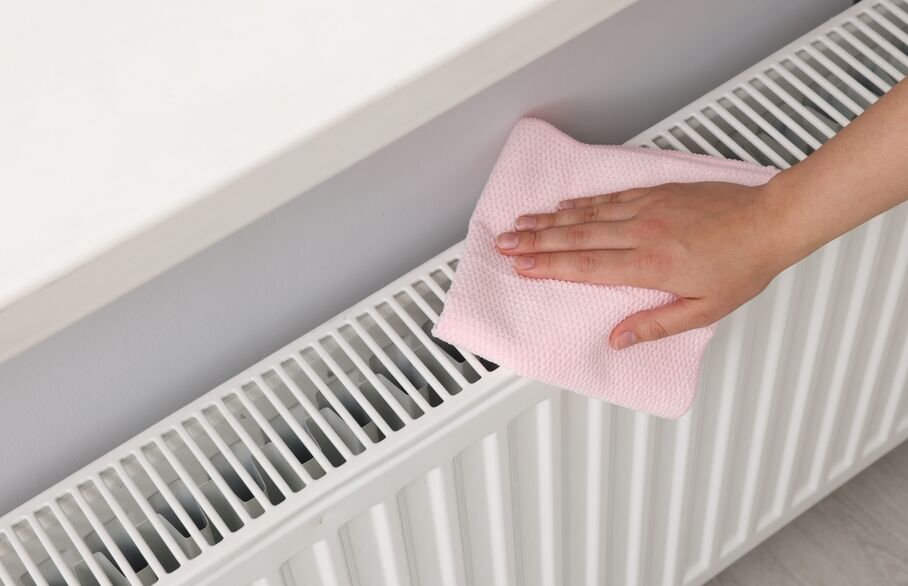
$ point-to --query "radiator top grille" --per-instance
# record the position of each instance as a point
(782, 110)
(198, 478)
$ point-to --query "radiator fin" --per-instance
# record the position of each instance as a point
(245, 448)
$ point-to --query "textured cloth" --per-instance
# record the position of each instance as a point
(557, 331)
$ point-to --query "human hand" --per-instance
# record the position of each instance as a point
(713, 245)
(716, 245)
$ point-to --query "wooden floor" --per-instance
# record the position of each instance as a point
(857, 536)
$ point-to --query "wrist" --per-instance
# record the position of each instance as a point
(788, 239)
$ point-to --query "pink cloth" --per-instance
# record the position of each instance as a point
(557, 331)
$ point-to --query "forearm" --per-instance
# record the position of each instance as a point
(859, 173)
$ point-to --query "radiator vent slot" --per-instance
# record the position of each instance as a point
(183, 487)
(779, 113)
(240, 452)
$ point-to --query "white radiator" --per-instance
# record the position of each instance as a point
(367, 453)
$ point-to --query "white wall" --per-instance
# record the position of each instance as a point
(70, 399)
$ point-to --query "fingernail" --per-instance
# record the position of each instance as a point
(524, 262)
(566, 204)
(525, 222)
(624, 340)
(507, 240)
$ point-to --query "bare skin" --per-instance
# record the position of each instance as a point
(717, 245)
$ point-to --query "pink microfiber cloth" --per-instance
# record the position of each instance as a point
(557, 331)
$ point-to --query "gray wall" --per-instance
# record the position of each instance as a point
(99, 382)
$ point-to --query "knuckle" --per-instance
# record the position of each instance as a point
(655, 263)
(654, 330)
(534, 240)
(585, 262)
(576, 236)
(588, 215)
(660, 195)
(649, 228)
(657, 199)
(541, 263)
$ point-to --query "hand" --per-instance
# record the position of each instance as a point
(713, 245)
(716, 245)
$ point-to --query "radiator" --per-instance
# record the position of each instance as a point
(367, 452)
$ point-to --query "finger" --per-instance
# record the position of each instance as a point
(583, 215)
(597, 236)
(616, 197)
(654, 324)
(602, 267)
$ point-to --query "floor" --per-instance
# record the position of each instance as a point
(857, 536)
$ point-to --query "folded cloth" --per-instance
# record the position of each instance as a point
(557, 331)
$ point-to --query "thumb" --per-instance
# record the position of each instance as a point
(653, 324)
